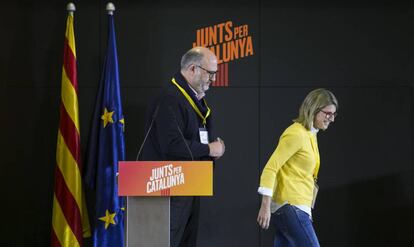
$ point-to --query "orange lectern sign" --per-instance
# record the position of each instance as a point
(165, 178)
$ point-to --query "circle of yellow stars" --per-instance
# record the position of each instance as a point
(107, 117)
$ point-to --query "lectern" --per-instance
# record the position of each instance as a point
(148, 186)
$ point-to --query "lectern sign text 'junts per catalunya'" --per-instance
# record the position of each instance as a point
(165, 178)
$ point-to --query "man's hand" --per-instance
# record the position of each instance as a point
(217, 148)
(264, 213)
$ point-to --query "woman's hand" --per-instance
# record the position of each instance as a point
(263, 219)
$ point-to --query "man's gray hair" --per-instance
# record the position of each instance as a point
(193, 56)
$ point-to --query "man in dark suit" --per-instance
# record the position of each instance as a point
(180, 125)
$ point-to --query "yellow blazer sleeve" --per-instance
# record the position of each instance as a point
(289, 143)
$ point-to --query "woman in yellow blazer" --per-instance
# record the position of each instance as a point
(288, 181)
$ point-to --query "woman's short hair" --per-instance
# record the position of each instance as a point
(312, 104)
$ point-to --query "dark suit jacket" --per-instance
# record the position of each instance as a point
(165, 141)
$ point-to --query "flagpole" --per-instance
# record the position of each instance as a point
(69, 214)
(106, 147)
(110, 7)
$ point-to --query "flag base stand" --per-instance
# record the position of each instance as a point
(147, 221)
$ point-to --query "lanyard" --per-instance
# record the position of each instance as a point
(316, 152)
(190, 100)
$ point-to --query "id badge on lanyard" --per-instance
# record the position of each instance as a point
(203, 135)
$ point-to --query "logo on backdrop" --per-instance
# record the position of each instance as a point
(229, 42)
(165, 177)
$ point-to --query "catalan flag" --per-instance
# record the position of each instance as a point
(69, 220)
(105, 148)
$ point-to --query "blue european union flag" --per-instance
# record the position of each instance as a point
(105, 148)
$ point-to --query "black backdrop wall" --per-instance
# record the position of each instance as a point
(362, 51)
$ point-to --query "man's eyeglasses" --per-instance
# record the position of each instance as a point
(211, 74)
(329, 115)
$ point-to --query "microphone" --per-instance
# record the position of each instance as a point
(149, 129)
(181, 133)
